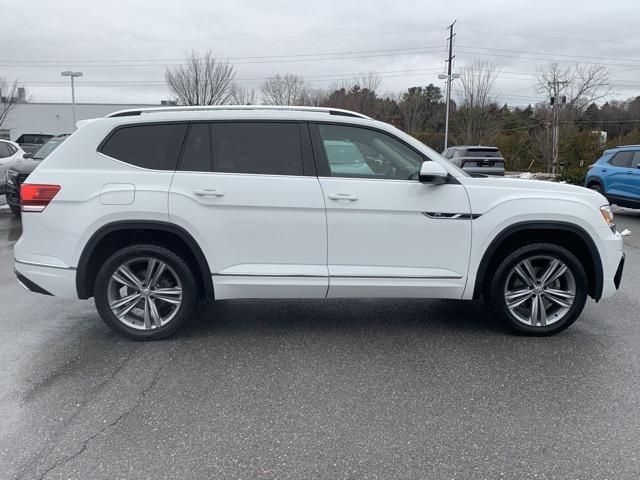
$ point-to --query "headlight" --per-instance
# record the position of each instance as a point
(607, 214)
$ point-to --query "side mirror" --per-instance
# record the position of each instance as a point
(27, 155)
(433, 173)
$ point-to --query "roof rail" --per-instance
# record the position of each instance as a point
(189, 108)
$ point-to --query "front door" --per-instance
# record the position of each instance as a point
(249, 191)
(389, 234)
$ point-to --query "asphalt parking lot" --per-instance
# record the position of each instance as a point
(318, 389)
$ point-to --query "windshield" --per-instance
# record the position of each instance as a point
(47, 148)
(342, 152)
(480, 153)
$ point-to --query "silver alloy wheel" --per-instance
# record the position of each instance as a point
(540, 290)
(144, 293)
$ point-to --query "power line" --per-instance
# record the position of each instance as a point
(548, 54)
(294, 60)
(293, 55)
(419, 27)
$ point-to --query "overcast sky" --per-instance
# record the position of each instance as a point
(123, 47)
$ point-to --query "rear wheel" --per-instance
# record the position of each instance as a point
(597, 187)
(539, 289)
(145, 292)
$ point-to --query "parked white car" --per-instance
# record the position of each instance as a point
(9, 151)
(149, 211)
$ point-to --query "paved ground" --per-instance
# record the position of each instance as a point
(321, 389)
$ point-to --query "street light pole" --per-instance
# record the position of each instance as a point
(71, 74)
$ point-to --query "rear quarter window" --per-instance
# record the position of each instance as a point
(154, 146)
(622, 159)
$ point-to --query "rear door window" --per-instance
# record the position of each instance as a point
(267, 148)
(155, 146)
(622, 159)
(635, 163)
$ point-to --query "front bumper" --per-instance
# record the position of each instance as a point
(617, 278)
(612, 257)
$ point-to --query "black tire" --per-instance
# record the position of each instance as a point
(596, 187)
(495, 294)
(15, 209)
(184, 312)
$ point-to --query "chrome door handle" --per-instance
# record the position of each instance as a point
(343, 196)
(209, 192)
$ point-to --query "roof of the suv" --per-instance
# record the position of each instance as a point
(228, 108)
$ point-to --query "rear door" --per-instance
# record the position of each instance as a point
(618, 177)
(249, 193)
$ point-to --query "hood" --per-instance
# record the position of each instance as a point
(499, 187)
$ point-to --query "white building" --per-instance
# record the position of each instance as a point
(54, 118)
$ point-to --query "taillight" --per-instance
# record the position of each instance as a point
(589, 167)
(34, 198)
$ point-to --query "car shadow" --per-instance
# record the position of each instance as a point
(348, 315)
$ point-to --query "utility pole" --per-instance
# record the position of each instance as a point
(449, 76)
(556, 87)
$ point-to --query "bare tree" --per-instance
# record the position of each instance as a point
(364, 81)
(368, 80)
(245, 96)
(286, 89)
(573, 90)
(474, 91)
(203, 80)
(582, 85)
(7, 98)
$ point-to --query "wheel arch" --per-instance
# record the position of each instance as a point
(568, 235)
(594, 180)
(128, 232)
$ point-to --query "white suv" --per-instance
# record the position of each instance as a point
(150, 211)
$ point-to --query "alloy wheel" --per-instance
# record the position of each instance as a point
(540, 291)
(144, 293)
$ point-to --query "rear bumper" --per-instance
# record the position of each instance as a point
(47, 279)
(29, 285)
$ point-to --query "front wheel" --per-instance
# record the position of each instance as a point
(145, 292)
(539, 289)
